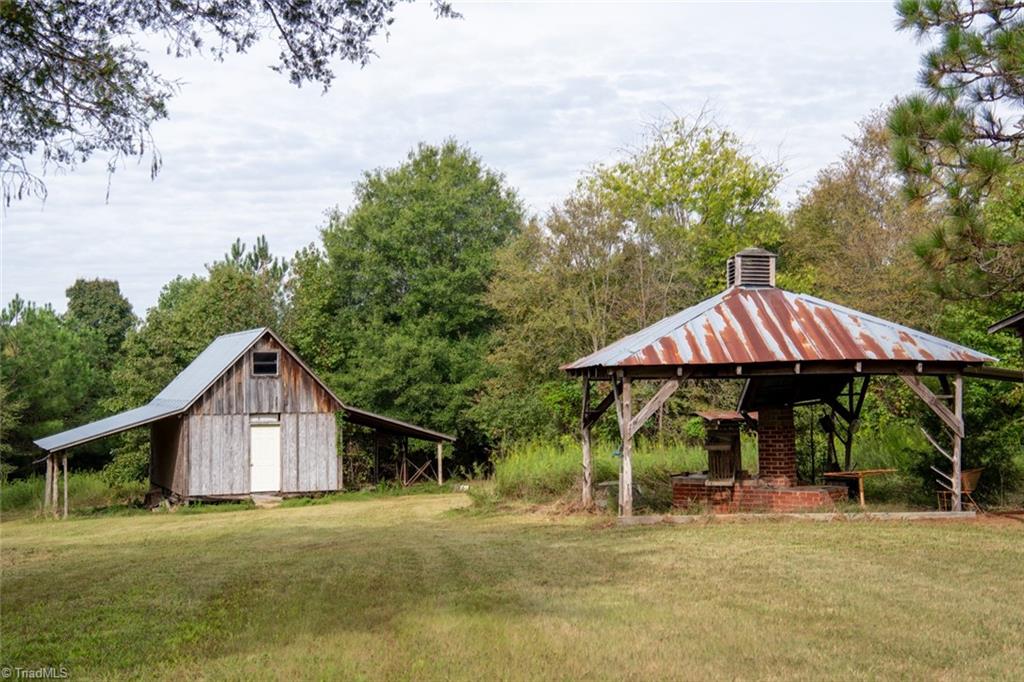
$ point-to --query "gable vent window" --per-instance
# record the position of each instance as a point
(264, 363)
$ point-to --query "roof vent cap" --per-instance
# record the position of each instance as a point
(751, 267)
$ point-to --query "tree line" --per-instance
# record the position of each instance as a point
(439, 299)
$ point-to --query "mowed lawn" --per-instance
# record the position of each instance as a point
(414, 588)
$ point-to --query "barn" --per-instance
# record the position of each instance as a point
(246, 416)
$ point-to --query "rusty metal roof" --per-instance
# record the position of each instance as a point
(748, 325)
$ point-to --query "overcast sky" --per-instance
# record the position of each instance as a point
(540, 91)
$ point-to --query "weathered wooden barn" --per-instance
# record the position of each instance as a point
(246, 416)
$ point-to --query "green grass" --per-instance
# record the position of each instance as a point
(543, 471)
(88, 493)
(410, 588)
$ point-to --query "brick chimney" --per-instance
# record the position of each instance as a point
(776, 446)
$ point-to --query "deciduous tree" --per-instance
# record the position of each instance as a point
(74, 80)
(639, 239)
(392, 308)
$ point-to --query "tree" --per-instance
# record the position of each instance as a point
(98, 304)
(852, 235)
(956, 142)
(191, 312)
(695, 193)
(637, 240)
(53, 373)
(391, 311)
(74, 80)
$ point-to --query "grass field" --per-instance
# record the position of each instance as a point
(417, 588)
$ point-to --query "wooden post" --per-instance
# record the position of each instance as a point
(440, 462)
(376, 458)
(958, 410)
(588, 481)
(55, 484)
(64, 459)
(626, 472)
(48, 490)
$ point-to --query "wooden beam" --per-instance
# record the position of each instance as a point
(950, 419)
(860, 398)
(590, 417)
(617, 393)
(936, 445)
(995, 373)
(659, 398)
(839, 409)
(626, 472)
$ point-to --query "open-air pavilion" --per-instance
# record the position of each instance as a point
(789, 349)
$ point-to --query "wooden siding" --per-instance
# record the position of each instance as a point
(218, 434)
(309, 452)
(169, 454)
(292, 390)
(218, 454)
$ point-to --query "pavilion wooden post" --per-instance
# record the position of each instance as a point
(954, 421)
(440, 462)
(588, 480)
(958, 411)
(626, 470)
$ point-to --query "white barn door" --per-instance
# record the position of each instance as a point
(265, 458)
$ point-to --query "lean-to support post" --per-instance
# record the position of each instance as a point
(55, 485)
(64, 459)
(376, 458)
(626, 472)
(48, 490)
(440, 462)
(958, 411)
(588, 481)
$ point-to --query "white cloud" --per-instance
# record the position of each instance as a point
(541, 92)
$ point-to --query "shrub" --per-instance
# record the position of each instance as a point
(127, 466)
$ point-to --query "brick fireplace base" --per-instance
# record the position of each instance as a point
(753, 495)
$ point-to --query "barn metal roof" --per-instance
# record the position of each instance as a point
(365, 418)
(194, 380)
(108, 426)
(215, 359)
(176, 397)
(748, 325)
(1015, 321)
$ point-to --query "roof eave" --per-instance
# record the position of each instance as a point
(1015, 321)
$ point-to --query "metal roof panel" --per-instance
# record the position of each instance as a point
(222, 352)
(108, 426)
(746, 325)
